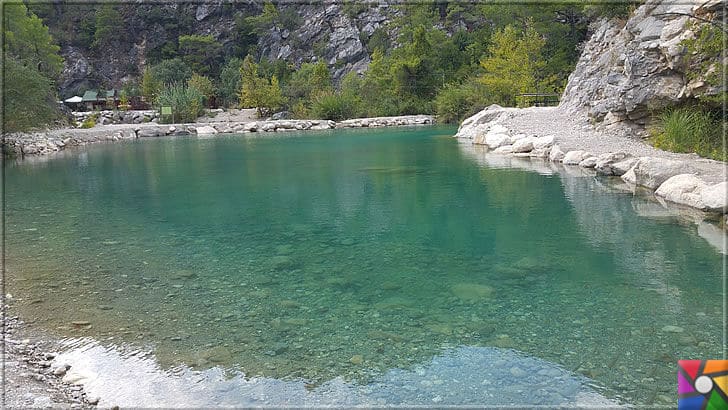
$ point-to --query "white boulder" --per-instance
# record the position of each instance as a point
(543, 142)
(575, 157)
(523, 145)
(556, 154)
(588, 162)
(715, 197)
(685, 189)
(504, 149)
(494, 141)
(206, 130)
(652, 172)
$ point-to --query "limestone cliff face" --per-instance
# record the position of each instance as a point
(629, 68)
(325, 32)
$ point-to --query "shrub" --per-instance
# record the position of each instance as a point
(90, 122)
(689, 129)
(331, 106)
(186, 102)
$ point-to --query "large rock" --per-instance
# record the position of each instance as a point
(715, 197)
(494, 141)
(147, 132)
(575, 157)
(652, 172)
(543, 142)
(206, 130)
(628, 70)
(685, 189)
(523, 145)
(605, 162)
(556, 154)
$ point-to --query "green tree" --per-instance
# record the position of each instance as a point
(31, 63)
(150, 86)
(513, 64)
(310, 79)
(186, 102)
(109, 24)
(230, 82)
(204, 86)
(258, 92)
(199, 52)
(29, 42)
(172, 71)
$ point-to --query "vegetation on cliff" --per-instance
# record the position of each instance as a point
(31, 64)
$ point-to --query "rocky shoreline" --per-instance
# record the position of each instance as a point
(47, 142)
(31, 376)
(552, 134)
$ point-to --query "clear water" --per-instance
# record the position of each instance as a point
(359, 256)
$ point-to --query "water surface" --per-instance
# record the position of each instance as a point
(359, 257)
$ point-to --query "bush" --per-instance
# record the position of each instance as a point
(90, 122)
(689, 129)
(331, 106)
(186, 102)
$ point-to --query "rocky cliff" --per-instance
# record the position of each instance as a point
(334, 33)
(629, 68)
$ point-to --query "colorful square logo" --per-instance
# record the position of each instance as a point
(702, 384)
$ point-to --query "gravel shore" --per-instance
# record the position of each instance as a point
(29, 378)
(575, 132)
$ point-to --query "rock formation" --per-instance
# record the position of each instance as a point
(629, 68)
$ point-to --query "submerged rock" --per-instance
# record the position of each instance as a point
(472, 292)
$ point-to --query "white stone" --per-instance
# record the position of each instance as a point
(540, 152)
(494, 141)
(504, 149)
(498, 129)
(683, 189)
(715, 197)
(652, 172)
(543, 142)
(588, 162)
(575, 157)
(604, 162)
(523, 145)
(206, 130)
(556, 154)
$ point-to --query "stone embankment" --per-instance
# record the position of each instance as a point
(107, 117)
(551, 134)
(46, 142)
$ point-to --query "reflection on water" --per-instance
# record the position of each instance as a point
(344, 255)
(460, 376)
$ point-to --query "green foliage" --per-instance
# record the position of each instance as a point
(704, 52)
(308, 81)
(108, 26)
(333, 106)
(31, 63)
(199, 52)
(171, 71)
(186, 102)
(230, 82)
(29, 42)
(691, 128)
(150, 86)
(612, 9)
(204, 86)
(514, 64)
(90, 121)
(28, 97)
(271, 17)
(257, 92)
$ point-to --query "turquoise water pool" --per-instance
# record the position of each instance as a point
(355, 255)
